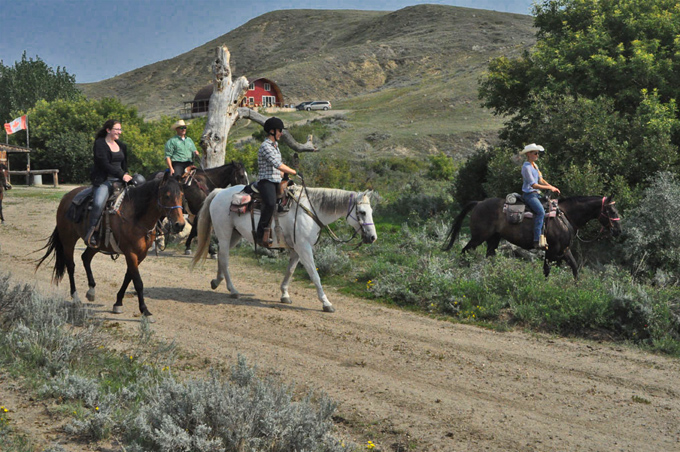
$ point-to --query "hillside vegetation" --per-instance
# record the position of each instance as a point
(410, 75)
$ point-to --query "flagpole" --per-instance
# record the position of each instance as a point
(28, 145)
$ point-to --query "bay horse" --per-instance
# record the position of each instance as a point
(300, 229)
(133, 228)
(488, 224)
(4, 185)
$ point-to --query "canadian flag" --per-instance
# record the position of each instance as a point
(16, 125)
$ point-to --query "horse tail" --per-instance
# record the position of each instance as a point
(457, 224)
(55, 246)
(204, 228)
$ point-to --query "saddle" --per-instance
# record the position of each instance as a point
(515, 209)
(82, 202)
(250, 200)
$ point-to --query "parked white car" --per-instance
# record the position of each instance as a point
(318, 105)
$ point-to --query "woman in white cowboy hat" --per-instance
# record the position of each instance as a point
(533, 182)
(179, 150)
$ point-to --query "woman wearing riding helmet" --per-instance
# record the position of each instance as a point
(270, 169)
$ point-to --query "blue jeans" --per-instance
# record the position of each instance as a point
(531, 200)
(101, 194)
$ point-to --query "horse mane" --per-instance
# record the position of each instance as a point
(331, 200)
(146, 193)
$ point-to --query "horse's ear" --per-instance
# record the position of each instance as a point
(166, 177)
(610, 199)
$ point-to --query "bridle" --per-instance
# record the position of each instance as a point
(603, 213)
(356, 204)
(609, 220)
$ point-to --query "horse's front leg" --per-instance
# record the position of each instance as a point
(292, 264)
(307, 259)
(2, 217)
(546, 267)
(87, 256)
(192, 236)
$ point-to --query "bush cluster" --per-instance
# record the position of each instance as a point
(136, 396)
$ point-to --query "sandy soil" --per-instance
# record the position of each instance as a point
(401, 379)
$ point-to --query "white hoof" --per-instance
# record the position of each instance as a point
(76, 298)
(150, 319)
(187, 252)
(117, 309)
(213, 256)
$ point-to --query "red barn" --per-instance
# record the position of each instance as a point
(263, 92)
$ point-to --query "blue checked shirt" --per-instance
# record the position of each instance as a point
(268, 161)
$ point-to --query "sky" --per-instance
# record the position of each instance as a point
(98, 39)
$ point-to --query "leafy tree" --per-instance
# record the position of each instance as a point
(62, 135)
(598, 91)
(29, 81)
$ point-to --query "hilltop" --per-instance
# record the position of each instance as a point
(415, 69)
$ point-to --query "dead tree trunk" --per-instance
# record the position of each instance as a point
(222, 109)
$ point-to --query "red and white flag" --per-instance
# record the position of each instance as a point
(16, 125)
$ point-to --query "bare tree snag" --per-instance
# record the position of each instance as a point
(247, 113)
(222, 109)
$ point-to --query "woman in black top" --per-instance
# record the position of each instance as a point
(110, 165)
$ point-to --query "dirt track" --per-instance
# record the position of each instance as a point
(401, 379)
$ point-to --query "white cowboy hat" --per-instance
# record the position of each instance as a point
(177, 124)
(531, 147)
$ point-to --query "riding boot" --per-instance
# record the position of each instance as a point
(91, 238)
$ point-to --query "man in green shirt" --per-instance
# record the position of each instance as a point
(179, 150)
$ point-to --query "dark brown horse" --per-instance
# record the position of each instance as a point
(4, 185)
(198, 186)
(133, 228)
(488, 224)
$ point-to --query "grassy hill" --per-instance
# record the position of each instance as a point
(408, 78)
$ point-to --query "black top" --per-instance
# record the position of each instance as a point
(104, 166)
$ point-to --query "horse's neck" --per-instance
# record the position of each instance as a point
(580, 211)
(328, 215)
(215, 177)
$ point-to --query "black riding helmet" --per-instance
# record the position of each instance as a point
(273, 123)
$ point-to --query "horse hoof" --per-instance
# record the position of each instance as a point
(90, 295)
(76, 298)
(286, 300)
(328, 309)
(234, 295)
(150, 318)
(213, 256)
(214, 284)
(117, 309)
(187, 252)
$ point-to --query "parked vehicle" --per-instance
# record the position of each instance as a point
(302, 105)
(318, 105)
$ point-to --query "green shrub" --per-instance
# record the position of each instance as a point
(234, 414)
(652, 235)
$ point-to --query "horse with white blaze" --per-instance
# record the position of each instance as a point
(311, 209)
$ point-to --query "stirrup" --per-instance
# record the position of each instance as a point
(89, 239)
